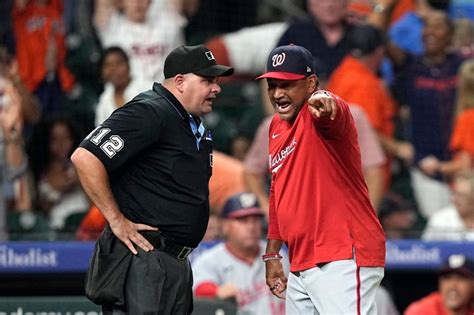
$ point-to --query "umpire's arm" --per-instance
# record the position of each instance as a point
(95, 181)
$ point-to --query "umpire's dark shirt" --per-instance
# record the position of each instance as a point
(157, 174)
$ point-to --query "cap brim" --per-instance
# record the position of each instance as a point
(245, 213)
(215, 71)
(281, 76)
(460, 271)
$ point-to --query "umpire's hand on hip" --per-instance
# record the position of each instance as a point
(127, 231)
(276, 279)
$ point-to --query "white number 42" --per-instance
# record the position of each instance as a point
(111, 146)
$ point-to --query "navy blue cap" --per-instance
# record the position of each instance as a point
(458, 264)
(241, 205)
(290, 62)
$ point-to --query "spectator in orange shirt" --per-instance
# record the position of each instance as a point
(463, 135)
(455, 295)
(356, 81)
(41, 51)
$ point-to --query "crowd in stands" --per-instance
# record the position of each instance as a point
(405, 67)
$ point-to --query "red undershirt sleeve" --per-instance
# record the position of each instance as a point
(206, 289)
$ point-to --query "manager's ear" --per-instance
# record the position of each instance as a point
(312, 83)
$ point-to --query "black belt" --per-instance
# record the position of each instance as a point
(179, 252)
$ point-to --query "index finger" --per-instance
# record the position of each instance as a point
(333, 109)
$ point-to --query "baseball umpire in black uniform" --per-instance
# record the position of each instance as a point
(147, 169)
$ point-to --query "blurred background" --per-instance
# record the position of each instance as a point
(406, 67)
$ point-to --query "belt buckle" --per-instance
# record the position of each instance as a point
(185, 251)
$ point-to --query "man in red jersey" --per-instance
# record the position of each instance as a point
(319, 204)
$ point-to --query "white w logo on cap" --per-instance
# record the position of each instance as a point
(278, 59)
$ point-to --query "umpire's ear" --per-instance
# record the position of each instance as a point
(179, 82)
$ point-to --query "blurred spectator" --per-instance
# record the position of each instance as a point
(29, 106)
(463, 38)
(366, 54)
(462, 140)
(59, 192)
(41, 51)
(372, 156)
(13, 161)
(455, 295)
(398, 217)
(247, 49)
(428, 83)
(234, 269)
(455, 222)
(83, 56)
(324, 34)
(359, 10)
(120, 86)
(239, 146)
(91, 225)
(226, 180)
(147, 37)
(406, 33)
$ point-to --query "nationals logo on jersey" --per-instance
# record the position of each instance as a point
(276, 161)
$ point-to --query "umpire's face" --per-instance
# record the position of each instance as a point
(199, 93)
(288, 96)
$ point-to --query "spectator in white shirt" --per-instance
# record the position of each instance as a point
(147, 37)
(455, 222)
(120, 86)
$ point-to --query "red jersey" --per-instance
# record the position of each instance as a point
(431, 304)
(319, 203)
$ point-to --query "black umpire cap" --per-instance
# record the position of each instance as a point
(194, 59)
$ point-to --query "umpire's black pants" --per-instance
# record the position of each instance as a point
(156, 283)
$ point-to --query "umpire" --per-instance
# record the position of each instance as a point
(147, 169)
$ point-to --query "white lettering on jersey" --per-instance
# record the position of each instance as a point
(110, 147)
(97, 139)
(276, 161)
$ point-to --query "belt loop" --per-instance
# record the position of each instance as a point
(184, 253)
